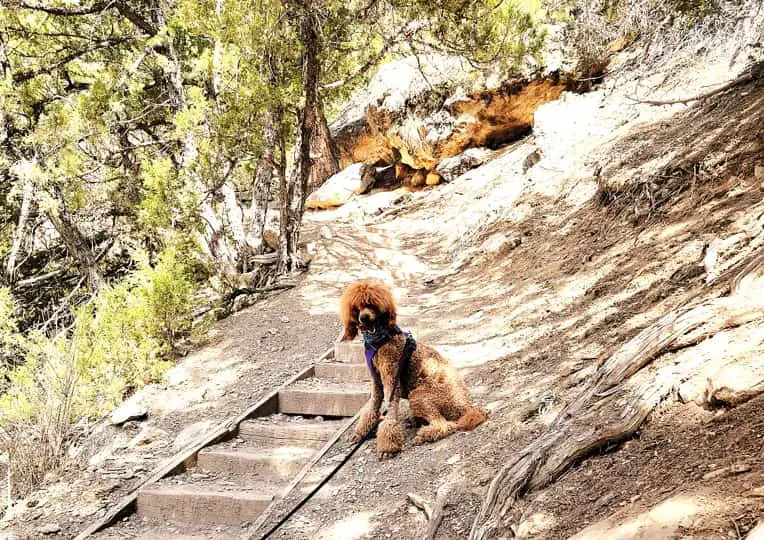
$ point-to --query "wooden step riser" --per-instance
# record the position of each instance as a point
(200, 508)
(289, 434)
(342, 372)
(321, 403)
(349, 352)
(267, 467)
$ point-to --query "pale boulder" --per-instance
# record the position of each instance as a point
(338, 189)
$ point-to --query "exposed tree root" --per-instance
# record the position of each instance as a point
(621, 395)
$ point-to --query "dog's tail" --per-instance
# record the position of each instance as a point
(472, 418)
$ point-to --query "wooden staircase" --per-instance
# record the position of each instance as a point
(231, 483)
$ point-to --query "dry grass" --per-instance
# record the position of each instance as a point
(663, 27)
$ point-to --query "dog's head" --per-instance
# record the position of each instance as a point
(367, 306)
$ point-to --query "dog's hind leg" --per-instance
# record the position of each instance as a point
(438, 427)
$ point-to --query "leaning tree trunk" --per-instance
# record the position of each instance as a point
(323, 151)
(76, 243)
(622, 394)
(21, 233)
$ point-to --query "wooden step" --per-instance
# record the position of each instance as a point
(307, 434)
(342, 372)
(317, 397)
(275, 464)
(204, 505)
(349, 352)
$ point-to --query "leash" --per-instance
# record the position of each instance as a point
(408, 349)
(316, 489)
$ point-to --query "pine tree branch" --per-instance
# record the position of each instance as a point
(97, 7)
(44, 70)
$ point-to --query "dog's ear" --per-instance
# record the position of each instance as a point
(349, 325)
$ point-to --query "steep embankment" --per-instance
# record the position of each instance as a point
(529, 272)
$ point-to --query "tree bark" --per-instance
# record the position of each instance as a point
(21, 233)
(75, 241)
(261, 182)
(312, 125)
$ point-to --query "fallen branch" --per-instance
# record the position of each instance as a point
(248, 290)
(420, 503)
(613, 406)
(441, 500)
(751, 74)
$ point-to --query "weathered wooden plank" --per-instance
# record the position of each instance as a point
(202, 506)
(322, 401)
(342, 371)
(313, 434)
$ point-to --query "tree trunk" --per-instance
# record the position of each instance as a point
(294, 193)
(75, 242)
(21, 233)
(261, 183)
(323, 151)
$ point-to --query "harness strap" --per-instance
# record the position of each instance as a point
(372, 345)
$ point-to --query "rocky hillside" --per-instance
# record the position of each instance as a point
(592, 261)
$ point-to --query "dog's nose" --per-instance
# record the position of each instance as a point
(365, 318)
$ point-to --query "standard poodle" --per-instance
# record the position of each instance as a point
(401, 368)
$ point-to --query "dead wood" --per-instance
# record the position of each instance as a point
(751, 74)
(444, 494)
(421, 503)
(621, 395)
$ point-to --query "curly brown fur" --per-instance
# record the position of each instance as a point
(436, 391)
(363, 294)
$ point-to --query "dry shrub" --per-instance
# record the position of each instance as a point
(648, 199)
(36, 418)
(662, 27)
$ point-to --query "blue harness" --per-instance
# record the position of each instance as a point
(372, 343)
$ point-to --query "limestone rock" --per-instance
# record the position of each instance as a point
(49, 528)
(149, 435)
(130, 410)
(453, 167)
(535, 525)
(338, 189)
(499, 244)
(420, 111)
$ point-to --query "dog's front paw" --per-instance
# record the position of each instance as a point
(390, 438)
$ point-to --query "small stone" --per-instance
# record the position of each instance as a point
(535, 525)
(49, 528)
(273, 331)
(128, 411)
(635, 498)
(284, 319)
(432, 179)
(498, 244)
